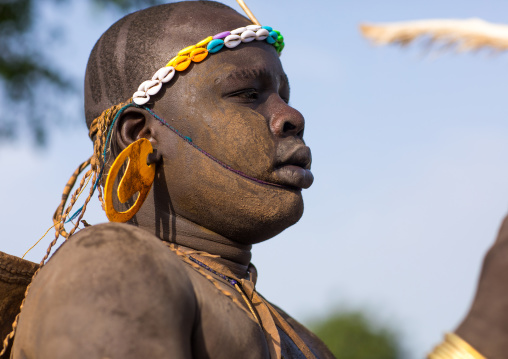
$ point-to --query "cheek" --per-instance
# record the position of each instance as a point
(238, 136)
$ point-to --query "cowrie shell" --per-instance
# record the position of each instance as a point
(181, 63)
(154, 89)
(147, 84)
(199, 54)
(262, 34)
(248, 36)
(238, 31)
(253, 27)
(164, 74)
(232, 41)
(140, 98)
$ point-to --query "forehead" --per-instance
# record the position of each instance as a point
(246, 62)
(252, 65)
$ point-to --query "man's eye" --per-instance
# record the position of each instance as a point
(246, 94)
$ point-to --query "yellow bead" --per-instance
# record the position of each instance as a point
(170, 63)
(199, 54)
(187, 50)
(204, 42)
(181, 63)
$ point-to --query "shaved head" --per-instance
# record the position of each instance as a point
(136, 46)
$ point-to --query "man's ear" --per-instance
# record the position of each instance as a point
(133, 124)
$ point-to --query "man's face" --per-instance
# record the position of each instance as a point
(234, 106)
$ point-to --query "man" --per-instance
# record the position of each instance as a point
(230, 163)
(116, 290)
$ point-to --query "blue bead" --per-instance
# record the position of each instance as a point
(269, 28)
(215, 45)
(272, 37)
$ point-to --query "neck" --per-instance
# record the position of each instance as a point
(182, 232)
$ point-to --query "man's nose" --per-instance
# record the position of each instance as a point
(286, 121)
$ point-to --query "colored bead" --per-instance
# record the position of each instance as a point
(272, 37)
(204, 42)
(248, 36)
(164, 74)
(269, 28)
(280, 39)
(187, 50)
(238, 31)
(222, 35)
(232, 41)
(262, 34)
(215, 45)
(170, 63)
(199, 54)
(253, 27)
(181, 63)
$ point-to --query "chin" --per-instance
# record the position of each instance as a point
(270, 213)
(237, 208)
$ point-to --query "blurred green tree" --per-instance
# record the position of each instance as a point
(25, 71)
(350, 335)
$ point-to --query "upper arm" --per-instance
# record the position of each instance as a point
(112, 292)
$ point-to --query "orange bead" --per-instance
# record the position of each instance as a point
(199, 54)
(181, 63)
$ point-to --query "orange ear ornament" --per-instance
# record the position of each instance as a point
(138, 178)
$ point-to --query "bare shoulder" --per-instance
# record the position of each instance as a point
(121, 254)
(113, 290)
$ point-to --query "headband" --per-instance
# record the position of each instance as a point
(198, 52)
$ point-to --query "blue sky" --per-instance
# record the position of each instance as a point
(409, 155)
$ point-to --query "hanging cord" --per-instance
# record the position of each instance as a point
(100, 132)
(44, 235)
(59, 212)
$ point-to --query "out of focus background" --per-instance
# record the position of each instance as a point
(410, 150)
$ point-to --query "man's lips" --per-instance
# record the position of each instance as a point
(294, 168)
